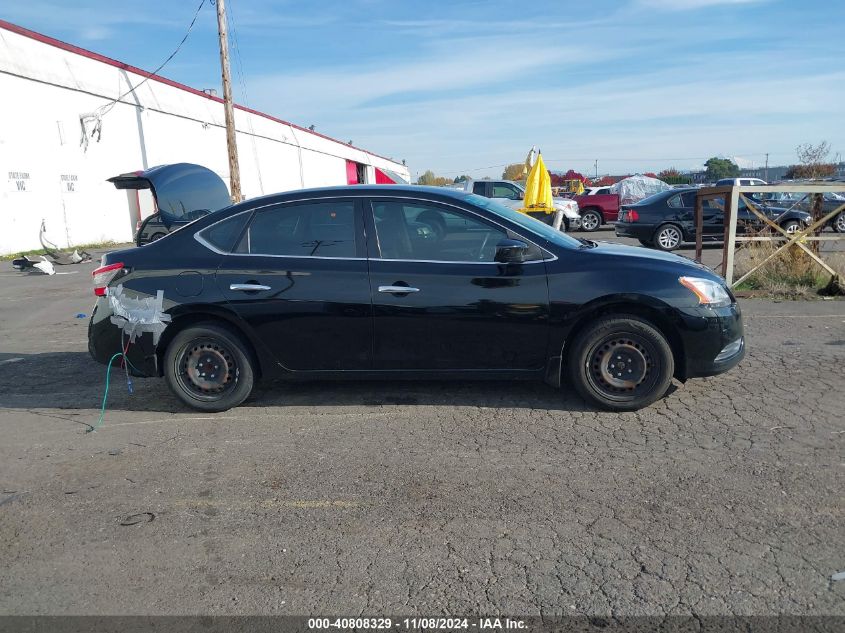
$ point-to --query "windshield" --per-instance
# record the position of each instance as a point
(530, 224)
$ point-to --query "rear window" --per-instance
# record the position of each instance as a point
(223, 234)
(478, 187)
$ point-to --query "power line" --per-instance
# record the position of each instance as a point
(636, 160)
(162, 65)
(97, 116)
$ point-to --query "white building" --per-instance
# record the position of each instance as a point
(54, 161)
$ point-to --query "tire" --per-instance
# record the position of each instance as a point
(647, 364)
(791, 226)
(207, 346)
(668, 237)
(646, 243)
(839, 223)
(591, 220)
(156, 236)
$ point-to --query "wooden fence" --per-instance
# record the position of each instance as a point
(732, 195)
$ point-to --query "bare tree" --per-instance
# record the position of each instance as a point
(813, 166)
(814, 159)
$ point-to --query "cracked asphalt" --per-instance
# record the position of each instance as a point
(726, 497)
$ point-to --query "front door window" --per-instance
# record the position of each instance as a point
(416, 231)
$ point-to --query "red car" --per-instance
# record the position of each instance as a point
(597, 207)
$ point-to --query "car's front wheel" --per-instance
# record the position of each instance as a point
(791, 226)
(209, 367)
(590, 220)
(620, 362)
(668, 237)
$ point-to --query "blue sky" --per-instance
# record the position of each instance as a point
(464, 87)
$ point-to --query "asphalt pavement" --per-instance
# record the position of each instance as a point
(419, 498)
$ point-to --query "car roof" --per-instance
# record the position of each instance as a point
(359, 190)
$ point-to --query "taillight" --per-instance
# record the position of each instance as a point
(631, 216)
(104, 275)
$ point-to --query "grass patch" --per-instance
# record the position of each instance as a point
(792, 274)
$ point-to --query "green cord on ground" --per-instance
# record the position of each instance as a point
(106, 393)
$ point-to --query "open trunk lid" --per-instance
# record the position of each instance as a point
(183, 192)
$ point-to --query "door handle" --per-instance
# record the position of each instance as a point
(249, 287)
(397, 290)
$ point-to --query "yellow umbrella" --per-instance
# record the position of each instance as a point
(538, 189)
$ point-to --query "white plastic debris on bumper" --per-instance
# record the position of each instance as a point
(138, 315)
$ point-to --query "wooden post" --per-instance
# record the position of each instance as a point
(731, 211)
(699, 226)
(228, 108)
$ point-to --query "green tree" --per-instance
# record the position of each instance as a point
(514, 172)
(427, 178)
(463, 178)
(718, 168)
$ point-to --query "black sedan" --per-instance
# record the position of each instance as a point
(406, 282)
(667, 219)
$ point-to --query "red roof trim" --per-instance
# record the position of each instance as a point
(14, 28)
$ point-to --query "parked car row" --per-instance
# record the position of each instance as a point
(667, 219)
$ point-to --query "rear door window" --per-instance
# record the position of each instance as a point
(305, 229)
(479, 188)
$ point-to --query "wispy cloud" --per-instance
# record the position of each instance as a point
(467, 84)
(687, 5)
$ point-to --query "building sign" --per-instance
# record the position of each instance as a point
(19, 181)
(69, 183)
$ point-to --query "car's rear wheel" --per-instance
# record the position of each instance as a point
(590, 220)
(668, 237)
(839, 223)
(209, 367)
(622, 363)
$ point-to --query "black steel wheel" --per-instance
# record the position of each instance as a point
(591, 220)
(621, 363)
(209, 367)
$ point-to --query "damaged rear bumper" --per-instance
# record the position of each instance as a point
(105, 339)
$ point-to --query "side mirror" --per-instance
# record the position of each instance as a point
(511, 252)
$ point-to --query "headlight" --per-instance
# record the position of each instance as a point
(709, 293)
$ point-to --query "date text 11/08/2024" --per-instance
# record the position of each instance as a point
(411, 624)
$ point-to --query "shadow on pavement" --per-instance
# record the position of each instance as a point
(73, 380)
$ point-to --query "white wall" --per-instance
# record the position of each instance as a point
(44, 91)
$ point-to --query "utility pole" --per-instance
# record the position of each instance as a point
(597, 168)
(228, 108)
(767, 167)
